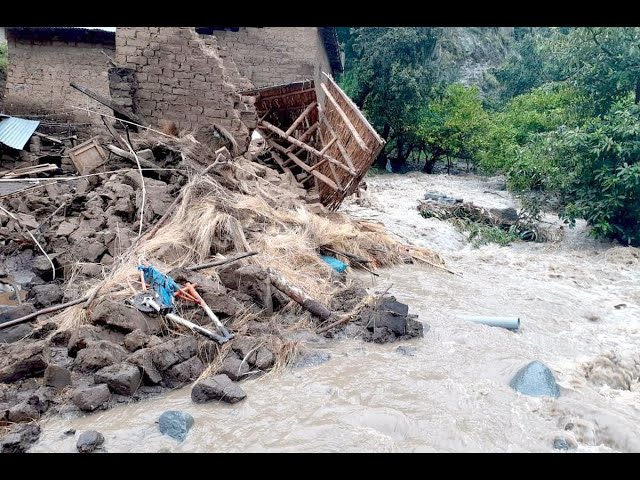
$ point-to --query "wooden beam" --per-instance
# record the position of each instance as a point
(289, 138)
(328, 145)
(345, 119)
(304, 166)
(305, 136)
(111, 104)
(283, 95)
(300, 118)
(343, 151)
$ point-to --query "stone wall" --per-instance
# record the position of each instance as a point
(181, 77)
(273, 55)
(39, 73)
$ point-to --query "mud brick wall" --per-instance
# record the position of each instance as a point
(180, 77)
(3, 81)
(273, 55)
(39, 73)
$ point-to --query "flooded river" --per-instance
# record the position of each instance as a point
(579, 303)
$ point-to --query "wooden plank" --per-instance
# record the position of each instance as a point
(300, 118)
(289, 138)
(111, 104)
(334, 174)
(328, 145)
(88, 156)
(305, 167)
(305, 136)
(355, 108)
(345, 119)
(343, 151)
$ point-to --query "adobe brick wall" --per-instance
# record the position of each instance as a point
(274, 55)
(3, 81)
(39, 73)
(181, 77)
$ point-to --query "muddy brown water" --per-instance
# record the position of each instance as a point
(579, 304)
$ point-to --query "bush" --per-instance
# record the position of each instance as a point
(3, 56)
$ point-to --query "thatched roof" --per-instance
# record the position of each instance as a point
(64, 34)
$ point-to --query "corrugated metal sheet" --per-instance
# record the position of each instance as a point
(16, 132)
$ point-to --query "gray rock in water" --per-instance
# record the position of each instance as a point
(536, 380)
(89, 441)
(311, 359)
(408, 351)
(176, 424)
(560, 443)
(218, 387)
(123, 378)
(89, 398)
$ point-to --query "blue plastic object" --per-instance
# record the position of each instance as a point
(162, 284)
(334, 263)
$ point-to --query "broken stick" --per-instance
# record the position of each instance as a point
(223, 261)
(55, 308)
(296, 294)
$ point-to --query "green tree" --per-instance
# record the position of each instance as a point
(453, 125)
(391, 79)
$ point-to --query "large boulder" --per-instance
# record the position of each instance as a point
(234, 368)
(89, 441)
(122, 378)
(118, 316)
(24, 361)
(143, 358)
(535, 379)
(249, 279)
(57, 377)
(505, 216)
(176, 424)
(184, 372)
(218, 387)
(90, 398)
(99, 355)
(87, 335)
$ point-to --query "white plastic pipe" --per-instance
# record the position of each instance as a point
(510, 323)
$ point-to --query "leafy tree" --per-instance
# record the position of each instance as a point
(453, 125)
(391, 80)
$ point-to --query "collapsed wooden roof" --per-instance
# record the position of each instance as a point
(329, 147)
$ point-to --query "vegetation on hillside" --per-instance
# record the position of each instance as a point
(563, 120)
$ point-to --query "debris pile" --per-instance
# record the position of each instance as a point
(245, 246)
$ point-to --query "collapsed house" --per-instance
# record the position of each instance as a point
(252, 226)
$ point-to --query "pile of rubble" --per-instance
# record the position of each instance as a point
(269, 262)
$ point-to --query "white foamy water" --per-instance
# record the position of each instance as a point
(579, 304)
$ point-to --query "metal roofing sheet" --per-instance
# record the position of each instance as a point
(16, 132)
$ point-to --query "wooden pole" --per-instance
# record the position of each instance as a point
(109, 103)
(345, 119)
(300, 118)
(55, 308)
(304, 136)
(217, 263)
(296, 294)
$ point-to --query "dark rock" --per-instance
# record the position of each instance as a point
(245, 347)
(20, 439)
(439, 198)
(23, 412)
(143, 358)
(24, 361)
(264, 358)
(13, 334)
(186, 347)
(249, 279)
(185, 372)
(91, 270)
(234, 368)
(218, 387)
(311, 359)
(118, 316)
(345, 300)
(46, 295)
(136, 340)
(57, 377)
(44, 330)
(87, 335)
(42, 267)
(88, 250)
(60, 338)
(168, 354)
(176, 424)
(99, 355)
(122, 378)
(89, 441)
(71, 431)
(9, 312)
(536, 380)
(258, 328)
(407, 351)
(89, 398)
(506, 216)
